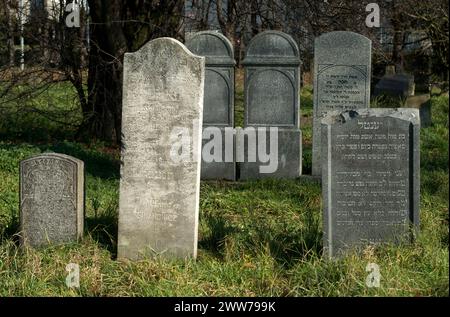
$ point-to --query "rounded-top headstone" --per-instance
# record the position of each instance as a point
(218, 107)
(272, 82)
(272, 47)
(216, 48)
(51, 199)
(160, 177)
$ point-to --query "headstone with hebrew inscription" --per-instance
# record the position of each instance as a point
(342, 71)
(272, 83)
(160, 173)
(218, 105)
(370, 178)
(51, 200)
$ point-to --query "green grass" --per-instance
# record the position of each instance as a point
(260, 238)
(39, 112)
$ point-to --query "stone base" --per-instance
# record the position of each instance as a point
(219, 170)
(289, 157)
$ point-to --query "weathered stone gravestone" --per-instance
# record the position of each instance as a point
(272, 83)
(397, 85)
(160, 173)
(51, 199)
(218, 105)
(370, 177)
(342, 70)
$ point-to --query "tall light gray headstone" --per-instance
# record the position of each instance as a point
(51, 199)
(370, 177)
(218, 105)
(160, 174)
(342, 71)
(272, 83)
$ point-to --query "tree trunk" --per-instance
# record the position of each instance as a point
(253, 17)
(398, 37)
(118, 27)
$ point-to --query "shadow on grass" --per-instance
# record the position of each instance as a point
(219, 230)
(290, 243)
(307, 160)
(12, 232)
(286, 235)
(285, 246)
(103, 230)
(97, 164)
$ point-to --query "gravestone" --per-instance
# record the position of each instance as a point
(51, 199)
(342, 70)
(272, 83)
(390, 70)
(218, 104)
(396, 85)
(160, 173)
(370, 177)
(423, 103)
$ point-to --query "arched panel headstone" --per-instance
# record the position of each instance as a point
(218, 107)
(272, 83)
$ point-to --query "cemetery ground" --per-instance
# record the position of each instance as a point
(256, 238)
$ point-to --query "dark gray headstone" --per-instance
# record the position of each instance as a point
(423, 103)
(218, 105)
(51, 199)
(160, 180)
(425, 114)
(342, 70)
(370, 177)
(397, 85)
(272, 83)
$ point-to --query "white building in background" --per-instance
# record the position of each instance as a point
(25, 10)
(52, 8)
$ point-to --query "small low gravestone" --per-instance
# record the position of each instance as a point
(272, 83)
(423, 103)
(51, 199)
(160, 173)
(370, 177)
(342, 70)
(390, 70)
(218, 105)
